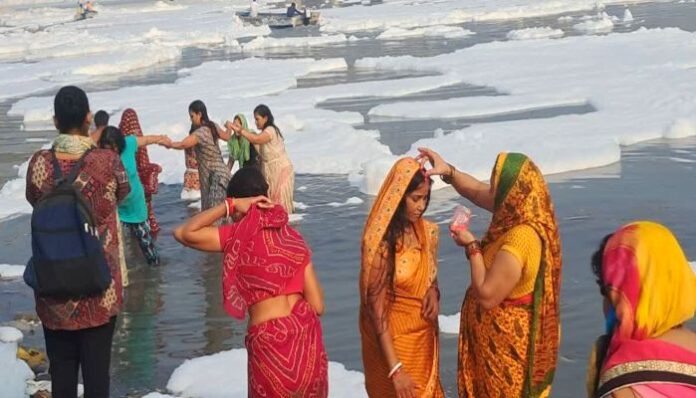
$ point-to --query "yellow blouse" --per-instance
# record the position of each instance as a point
(523, 243)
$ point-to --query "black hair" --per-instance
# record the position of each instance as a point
(101, 118)
(397, 226)
(597, 262)
(247, 182)
(70, 107)
(112, 138)
(264, 111)
(198, 106)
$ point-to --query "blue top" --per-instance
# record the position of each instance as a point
(133, 208)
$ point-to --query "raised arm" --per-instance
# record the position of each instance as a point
(256, 139)
(478, 192)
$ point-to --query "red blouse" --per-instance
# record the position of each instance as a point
(263, 258)
(104, 183)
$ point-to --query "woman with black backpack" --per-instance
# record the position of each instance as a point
(77, 287)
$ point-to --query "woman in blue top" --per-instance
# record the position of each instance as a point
(132, 211)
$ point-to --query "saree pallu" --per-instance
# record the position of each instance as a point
(496, 343)
(280, 176)
(416, 344)
(287, 356)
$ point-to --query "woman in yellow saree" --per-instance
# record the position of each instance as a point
(510, 322)
(398, 289)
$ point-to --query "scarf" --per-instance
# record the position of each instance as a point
(652, 289)
(239, 147)
(522, 197)
(72, 144)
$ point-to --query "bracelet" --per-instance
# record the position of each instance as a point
(448, 179)
(229, 202)
(472, 248)
(395, 369)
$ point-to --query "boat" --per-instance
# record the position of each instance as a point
(279, 20)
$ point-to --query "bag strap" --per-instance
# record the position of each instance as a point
(58, 175)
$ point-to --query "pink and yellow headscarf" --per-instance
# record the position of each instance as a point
(648, 281)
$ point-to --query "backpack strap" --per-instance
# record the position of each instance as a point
(58, 175)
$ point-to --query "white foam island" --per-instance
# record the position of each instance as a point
(15, 372)
(224, 375)
(535, 33)
(8, 271)
(449, 323)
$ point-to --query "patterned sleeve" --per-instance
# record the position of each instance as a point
(34, 181)
(123, 186)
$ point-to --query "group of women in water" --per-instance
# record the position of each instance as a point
(510, 329)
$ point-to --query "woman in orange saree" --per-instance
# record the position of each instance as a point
(398, 289)
(510, 322)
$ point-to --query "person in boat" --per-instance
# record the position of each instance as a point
(292, 11)
(254, 9)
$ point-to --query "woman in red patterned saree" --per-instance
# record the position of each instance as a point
(147, 171)
(267, 273)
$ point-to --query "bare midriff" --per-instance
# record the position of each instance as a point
(272, 308)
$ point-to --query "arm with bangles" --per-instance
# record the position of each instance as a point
(377, 302)
(491, 285)
(199, 233)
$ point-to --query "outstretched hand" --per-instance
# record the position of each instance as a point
(437, 163)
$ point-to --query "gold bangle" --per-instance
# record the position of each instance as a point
(472, 248)
(448, 178)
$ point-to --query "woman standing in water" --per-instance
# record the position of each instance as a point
(133, 211)
(240, 149)
(275, 163)
(267, 275)
(510, 323)
(147, 171)
(203, 139)
(398, 289)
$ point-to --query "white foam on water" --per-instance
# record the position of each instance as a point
(628, 16)
(225, 375)
(449, 323)
(535, 33)
(448, 32)
(601, 70)
(693, 266)
(300, 206)
(353, 201)
(472, 106)
(604, 24)
(8, 271)
(15, 372)
(406, 14)
(261, 43)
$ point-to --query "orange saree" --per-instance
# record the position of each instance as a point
(510, 350)
(415, 339)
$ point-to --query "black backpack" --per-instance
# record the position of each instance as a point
(68, 259)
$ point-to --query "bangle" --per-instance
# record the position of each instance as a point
(472, 248)
(229, 203)
(395, 369)
(448, 178)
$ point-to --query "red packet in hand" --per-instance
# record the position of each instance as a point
(461, 218)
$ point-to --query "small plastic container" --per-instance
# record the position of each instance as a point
(461, 218)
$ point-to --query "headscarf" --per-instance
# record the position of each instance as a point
(239, 147)
(522, 198)
(649, 281)
(651, 289)
(147, 171)
(261, 256)
(383, 209)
